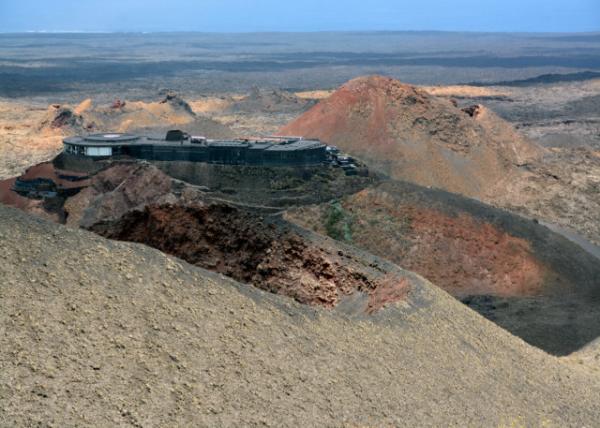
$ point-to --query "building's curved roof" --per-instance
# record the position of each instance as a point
(120, 139)
(110, 138)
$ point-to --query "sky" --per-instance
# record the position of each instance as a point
(300, 15)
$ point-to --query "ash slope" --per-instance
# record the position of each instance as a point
(96, 332)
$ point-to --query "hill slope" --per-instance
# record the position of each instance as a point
(100, 333)
(518, 273)
(415, 136)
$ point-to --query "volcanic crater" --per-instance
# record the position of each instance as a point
(266, 254)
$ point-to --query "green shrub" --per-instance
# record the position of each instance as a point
(338, 223)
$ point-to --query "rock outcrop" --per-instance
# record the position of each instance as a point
(64, 119)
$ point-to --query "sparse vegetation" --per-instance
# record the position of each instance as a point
(285, 183)
(338, 222)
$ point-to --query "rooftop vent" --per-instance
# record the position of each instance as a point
(176, 135)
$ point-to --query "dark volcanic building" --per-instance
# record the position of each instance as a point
(178, 146)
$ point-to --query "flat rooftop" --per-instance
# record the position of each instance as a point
(119, 139)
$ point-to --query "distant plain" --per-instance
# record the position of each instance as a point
(62, 67)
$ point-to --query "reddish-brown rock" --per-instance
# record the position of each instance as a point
(411, 135)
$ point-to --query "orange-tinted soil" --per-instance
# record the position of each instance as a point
(461, 254)
(8, 197)
(468, 257)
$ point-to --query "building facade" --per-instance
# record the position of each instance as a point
(178, 146)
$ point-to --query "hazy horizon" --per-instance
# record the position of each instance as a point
(239, 16)
(593, 32)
